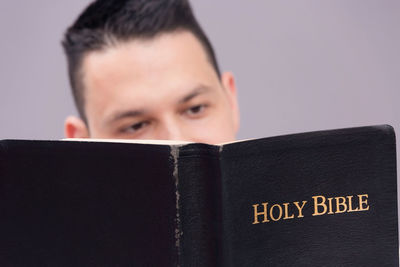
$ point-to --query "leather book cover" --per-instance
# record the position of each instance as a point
(317, 199)
(68, 203)
(314, 199)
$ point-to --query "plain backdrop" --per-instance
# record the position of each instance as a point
(300, 65)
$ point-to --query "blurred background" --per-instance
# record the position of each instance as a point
(299, 65)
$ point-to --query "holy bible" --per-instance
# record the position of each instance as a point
(324, 198)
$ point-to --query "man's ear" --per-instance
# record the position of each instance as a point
(75, 127)
(228, 82)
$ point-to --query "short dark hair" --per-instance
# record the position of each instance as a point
(107, 22)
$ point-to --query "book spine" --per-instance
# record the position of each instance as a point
(3, 151)
(198, 206)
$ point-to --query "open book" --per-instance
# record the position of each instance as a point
(323, 198)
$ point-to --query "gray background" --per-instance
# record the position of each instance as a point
(300, 65)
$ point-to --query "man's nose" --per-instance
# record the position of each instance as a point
(172, 130)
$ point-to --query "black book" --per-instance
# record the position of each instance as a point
(323, 198)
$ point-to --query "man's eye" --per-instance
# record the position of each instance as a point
(195, 110)
(138, 126)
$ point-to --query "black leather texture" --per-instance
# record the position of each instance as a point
(86, 204)
(65, 203)
(294, 168)
(200, 206)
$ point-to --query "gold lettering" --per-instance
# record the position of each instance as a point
(256, 213)
(351, 204)
(300, 209)
(322, 206)
(330, 205)
(271, 212)
(363, 201)
(287, 212)
(341, 203)
(316, 205)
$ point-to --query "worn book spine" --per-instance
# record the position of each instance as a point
(198, 205)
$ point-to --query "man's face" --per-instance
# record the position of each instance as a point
(160, 88)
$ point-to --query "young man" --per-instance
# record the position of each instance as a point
(144, 69)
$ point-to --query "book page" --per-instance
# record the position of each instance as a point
(133, 141)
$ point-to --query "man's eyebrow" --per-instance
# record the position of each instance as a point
(200, 89)
(125, 114)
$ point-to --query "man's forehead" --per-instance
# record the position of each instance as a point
(137, 57)
(142, 73)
